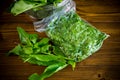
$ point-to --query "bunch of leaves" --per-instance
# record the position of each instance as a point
(20, 6)
(39, 51)
(76, 38)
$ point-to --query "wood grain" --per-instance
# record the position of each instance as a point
(102, 65)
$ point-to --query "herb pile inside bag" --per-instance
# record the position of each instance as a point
(76, 38)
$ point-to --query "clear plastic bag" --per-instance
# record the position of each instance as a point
(49, 12)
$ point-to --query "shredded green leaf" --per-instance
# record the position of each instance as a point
(76, 38)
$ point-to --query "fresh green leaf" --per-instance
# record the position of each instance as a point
(50, 70)
(42, 63)
(27, 50)
(45, 57)
(44, 1)
(42, 42)
(15, 50)
(33, 38)
(72, 63)
(24, 36)
(34, 76)
(45, 49)
(37, 50)
(22, 6)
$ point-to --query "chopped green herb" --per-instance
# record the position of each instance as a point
(76, 38)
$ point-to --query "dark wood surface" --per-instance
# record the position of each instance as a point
(103, 65)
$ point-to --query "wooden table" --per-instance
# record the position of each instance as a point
(103, 65)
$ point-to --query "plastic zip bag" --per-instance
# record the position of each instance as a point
(75, 37)
(64, 7)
